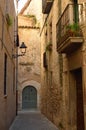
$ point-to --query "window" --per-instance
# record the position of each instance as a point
(14, 79)
(5, 74)
(44, 60)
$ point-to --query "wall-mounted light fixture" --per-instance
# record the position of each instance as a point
(22, 49)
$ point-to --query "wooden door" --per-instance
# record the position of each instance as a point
(79, 99)
(29, 98)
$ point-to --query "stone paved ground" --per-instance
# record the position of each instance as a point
(32, 120)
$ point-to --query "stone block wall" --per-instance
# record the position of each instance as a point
(50, 78)
(57, 83)
(29, 65)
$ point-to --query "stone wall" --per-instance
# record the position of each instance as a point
(8, 97)
(57, 91)
(29, 65)
(50, 77)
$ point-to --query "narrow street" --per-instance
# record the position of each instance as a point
(32, 120)
(42, 64)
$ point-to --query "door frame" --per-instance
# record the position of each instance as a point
(74, 98)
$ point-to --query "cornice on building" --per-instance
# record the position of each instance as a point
(30, 27)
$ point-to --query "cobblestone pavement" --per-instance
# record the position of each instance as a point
(32, 120)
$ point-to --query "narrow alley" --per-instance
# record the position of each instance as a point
(42, 64)
(32, 120)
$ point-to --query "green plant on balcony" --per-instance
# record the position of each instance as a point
(49, 47)
(74, 30)
(32, 16)
(9, 19)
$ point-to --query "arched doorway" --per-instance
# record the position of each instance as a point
(29, 98)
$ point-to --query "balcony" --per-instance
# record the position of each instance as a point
(46, 6)
(69, 33)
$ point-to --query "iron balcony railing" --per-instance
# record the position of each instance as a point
(72, 14)
(46, 6)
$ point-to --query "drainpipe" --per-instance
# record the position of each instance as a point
(17, 64)
(16, 83)
(60, 55)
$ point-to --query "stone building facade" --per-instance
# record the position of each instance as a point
(63, 91)
(51, 87)
(8, 27)
(29, 21)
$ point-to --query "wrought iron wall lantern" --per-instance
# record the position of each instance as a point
(22, 49)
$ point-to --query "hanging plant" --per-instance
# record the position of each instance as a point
(9, 19)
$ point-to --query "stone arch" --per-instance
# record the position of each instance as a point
(33, 83)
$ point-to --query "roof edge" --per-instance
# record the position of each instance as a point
(25, 6)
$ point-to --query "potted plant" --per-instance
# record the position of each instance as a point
(74, 30)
